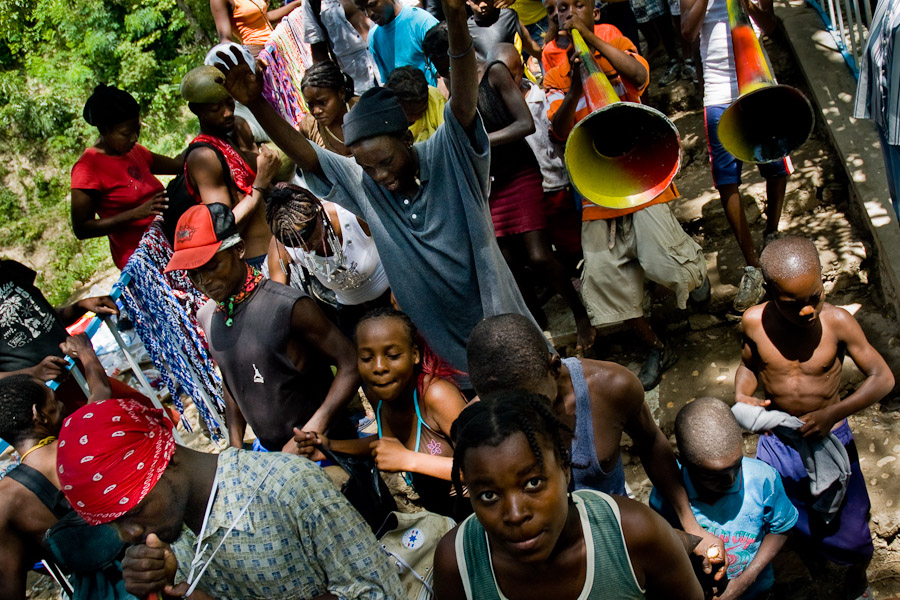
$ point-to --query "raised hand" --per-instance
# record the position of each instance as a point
(242, 83)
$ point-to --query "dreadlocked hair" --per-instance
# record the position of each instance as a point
(328, 75)
(289, 209)
(431, 366)
(495, 419)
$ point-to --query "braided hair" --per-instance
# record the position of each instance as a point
(291, 211)
(431, 366)
(328, 75)
(495, 419)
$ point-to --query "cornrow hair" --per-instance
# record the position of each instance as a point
(431, 366)
(328, 75)
(290, 211)
(495, 419)
(18, 394)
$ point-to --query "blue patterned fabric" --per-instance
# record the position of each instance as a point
(162, 308)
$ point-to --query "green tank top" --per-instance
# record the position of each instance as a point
(609, 572)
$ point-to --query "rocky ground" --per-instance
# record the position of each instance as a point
(817, 206)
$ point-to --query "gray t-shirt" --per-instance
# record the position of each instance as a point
(438, 248)
(252, 354)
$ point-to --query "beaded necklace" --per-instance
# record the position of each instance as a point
(254, 276)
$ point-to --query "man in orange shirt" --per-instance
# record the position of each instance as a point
(621, 247)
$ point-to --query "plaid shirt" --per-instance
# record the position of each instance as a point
(300, 538)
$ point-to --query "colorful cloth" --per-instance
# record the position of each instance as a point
(756, 505)
(110, 454)
(299, 538)
(242, 174)
(123, 183)
(286, 57)
(162, 307)
(846, 539)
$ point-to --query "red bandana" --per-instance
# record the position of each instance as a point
(110, 455)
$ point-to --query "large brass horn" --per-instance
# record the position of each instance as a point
(623, 154)
(768, 121)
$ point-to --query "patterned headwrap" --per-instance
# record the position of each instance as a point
(110, 454)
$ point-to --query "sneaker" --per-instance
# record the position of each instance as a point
(658, 361)
(673, 72)
(751, 291)
(689, 71)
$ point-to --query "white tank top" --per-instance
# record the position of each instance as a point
(719, 77)
(364, 279)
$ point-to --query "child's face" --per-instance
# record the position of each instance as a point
(522, 507)
(326, 105)
(799, 299)
(716, 477)
(567, 10)
(386, 357)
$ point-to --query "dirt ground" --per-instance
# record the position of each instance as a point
(817, 206)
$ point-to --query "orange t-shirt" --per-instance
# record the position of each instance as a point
(557, 81)
(249, 19)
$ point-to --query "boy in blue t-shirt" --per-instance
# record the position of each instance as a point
(739, 499)
(397, 39)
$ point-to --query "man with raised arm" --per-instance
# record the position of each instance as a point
(426, 204)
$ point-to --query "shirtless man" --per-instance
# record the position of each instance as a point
(251, 167)
(272, 343)
(598, 400)
(29, 414)
(794, 345)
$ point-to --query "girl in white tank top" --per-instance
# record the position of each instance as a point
(330, 242)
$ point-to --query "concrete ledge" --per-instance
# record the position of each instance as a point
(856, 142)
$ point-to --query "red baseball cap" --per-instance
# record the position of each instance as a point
(202, 231)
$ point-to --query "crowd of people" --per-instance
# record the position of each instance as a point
(401, 242)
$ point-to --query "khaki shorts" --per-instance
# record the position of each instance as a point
(649, 243)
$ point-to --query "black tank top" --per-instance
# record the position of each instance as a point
(507, 160)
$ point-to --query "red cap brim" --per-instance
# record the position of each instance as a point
(191, 258)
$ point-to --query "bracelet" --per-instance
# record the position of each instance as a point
(261, 190)
(467, 50)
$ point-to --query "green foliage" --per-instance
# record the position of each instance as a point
(52, 54)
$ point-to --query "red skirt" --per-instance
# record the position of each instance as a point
(517, 206)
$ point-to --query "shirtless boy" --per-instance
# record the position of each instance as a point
(794, 345)
(598, 400)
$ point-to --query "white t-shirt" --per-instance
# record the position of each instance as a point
(719, 77)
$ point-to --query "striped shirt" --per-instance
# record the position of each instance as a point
(300, 538)
(878, 91)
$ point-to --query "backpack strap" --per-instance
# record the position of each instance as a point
(40, 486)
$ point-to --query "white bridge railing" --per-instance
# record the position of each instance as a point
(848, 22)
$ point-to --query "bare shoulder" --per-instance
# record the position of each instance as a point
(613, 384)
(838, 318)
(751, 320)
(448, 583)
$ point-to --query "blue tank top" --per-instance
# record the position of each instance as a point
(584, 452)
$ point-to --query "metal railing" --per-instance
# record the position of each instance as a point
(848, 23)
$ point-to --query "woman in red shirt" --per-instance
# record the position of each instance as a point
(114, 191)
